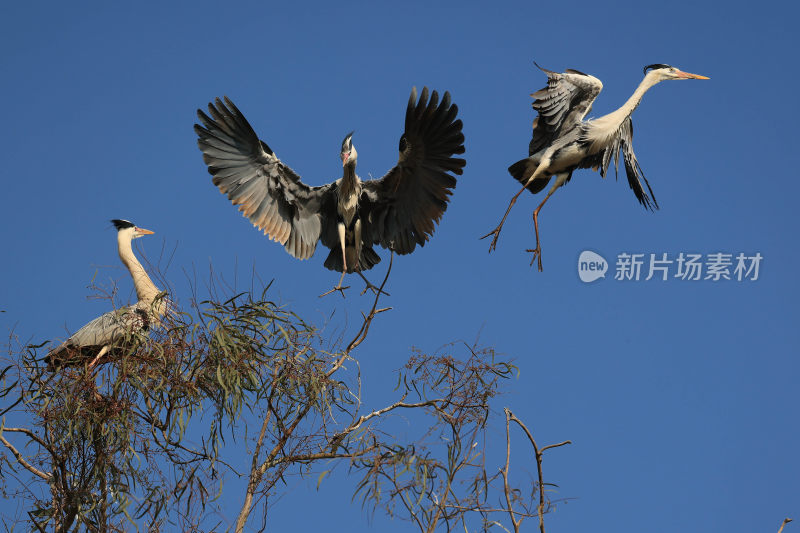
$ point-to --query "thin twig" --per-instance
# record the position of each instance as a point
(506, 488)
(785, 521)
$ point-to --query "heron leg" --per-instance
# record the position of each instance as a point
(496, 231)
(537, 252)
(101, 353)
(539, 172)
(341, 229)
(338, 287)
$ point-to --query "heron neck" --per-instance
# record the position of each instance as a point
(350, 182)
(146, 290)
(608, 124)
(636, 98)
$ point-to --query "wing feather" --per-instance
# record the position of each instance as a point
(563, 104)
(622, 142)
(268, 192)
(403, 207)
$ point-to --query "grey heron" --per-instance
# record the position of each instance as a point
(349, 216)
(109, 333)
(563, 141)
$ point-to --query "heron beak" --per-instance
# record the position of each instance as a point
(689, 76)
(142, 231)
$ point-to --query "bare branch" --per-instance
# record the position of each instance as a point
(506, 487)
(509, 417)
(30, 434)
(21, 460)
(785, 521)
(555, 445)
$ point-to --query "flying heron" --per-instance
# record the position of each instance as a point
(349, 216)
(109, 333)
(563, 141)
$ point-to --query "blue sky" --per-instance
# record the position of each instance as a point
(680, 397)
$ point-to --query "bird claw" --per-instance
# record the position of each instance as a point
(496, 233)
(537, 255)
(375, 290)
(369, 286)
(338, 288)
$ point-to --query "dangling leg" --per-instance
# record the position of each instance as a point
(338, 287)
(537, 252)
(357, 245)
(496, 231)
(340, 227)
(538, 173)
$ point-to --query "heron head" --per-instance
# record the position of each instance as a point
(349, 153)
(126, 227)
(668, 72)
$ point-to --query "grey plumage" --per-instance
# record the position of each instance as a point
(116, 332)
(563, 141)
(397, 211)
(561, 107)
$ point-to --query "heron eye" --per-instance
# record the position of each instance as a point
(403, 143)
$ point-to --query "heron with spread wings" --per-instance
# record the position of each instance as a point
(564, 142)
(115, 332)
(349, 216)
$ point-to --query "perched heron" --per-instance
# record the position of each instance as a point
(110, 333)
(349, 216)
(563, 141)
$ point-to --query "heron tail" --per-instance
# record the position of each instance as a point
(367, 260)
(522, 170)
(66, 355)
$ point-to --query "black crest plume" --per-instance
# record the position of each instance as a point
(655, 66)
(122, 224)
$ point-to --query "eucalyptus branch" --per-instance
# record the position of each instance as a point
(510, 417)
(32, 435)
(21, 460)
(367, 320)
(364, 418)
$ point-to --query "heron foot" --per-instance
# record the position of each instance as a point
(375, 290)
(338, 288)
(496, 233)
(537, 256)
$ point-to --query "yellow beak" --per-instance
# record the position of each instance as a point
(690, 76)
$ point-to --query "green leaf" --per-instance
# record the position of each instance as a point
(321, 477)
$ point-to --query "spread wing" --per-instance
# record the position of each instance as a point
(561, 105)
(267, 191)
(402, 207)
(622, 141)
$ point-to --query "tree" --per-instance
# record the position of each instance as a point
(148, 439)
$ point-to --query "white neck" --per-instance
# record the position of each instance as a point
(349, 192)
(633, 102)
(146, 290)
(606, 126)
(350, 185)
